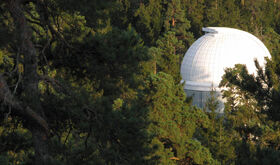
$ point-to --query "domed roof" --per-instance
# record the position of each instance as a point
(205, 61)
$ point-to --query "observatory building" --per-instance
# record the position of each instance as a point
(205, 61)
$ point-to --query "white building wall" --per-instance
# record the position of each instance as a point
(220, 48)
(199, 98)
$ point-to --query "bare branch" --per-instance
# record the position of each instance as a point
(56, 84)
(19, 79)
(46, 14)
(45, 46)
(8, 99)
(70, 129)
(8, 113)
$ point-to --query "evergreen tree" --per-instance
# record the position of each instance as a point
(252, 111)
(195, 13)
(97, 82)
(168, 55)
(150, 20)
(67, 73)
(217, 137)
(176, 21)
(173, 123)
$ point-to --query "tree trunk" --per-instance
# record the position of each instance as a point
(242, 2)
(216, 4)
(30, 80)
(40, 142)
(155, 67)
(173, 22)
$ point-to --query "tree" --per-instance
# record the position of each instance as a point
(56, 67)
(252, 110)
(149, 21)
(168, 55)
(31, 108)
(217, 137)
(173, 122)
(176, 21)
(195, 13)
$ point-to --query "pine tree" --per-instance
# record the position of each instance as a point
(168, 55)
(176, 21)
(150, 21)
(252, 110)
(173, 123)
(217, 137)
(195, 13)
(68, 64)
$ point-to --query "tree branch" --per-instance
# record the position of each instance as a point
(56, 84)
(8, 99)
(45, 15)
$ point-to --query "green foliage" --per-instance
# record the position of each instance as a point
(217, 137)
(173, 123)
(251, 111)
(168, 54)
(199, 154)
(150, 20)
(108, 84)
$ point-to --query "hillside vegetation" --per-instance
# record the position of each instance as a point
(93, 82)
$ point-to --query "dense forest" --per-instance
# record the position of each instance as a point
(95, 82)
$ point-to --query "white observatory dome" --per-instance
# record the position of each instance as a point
(205, 61)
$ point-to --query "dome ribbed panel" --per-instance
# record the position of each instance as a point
(205, 61)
